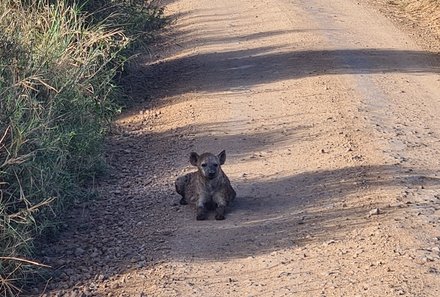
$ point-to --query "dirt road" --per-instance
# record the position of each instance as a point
(329, 117)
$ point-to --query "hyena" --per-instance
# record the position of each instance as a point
(208, 188)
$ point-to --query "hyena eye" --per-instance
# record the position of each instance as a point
(204, 165)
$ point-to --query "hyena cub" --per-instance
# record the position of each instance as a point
(208, 188)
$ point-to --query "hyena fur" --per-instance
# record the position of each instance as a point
(208, 188)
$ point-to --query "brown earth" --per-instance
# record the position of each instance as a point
(328, 112)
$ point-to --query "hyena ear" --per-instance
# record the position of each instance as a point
(222, 157)
(193, 158)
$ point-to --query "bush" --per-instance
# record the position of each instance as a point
(57, 64)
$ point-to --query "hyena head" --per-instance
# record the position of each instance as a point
(208, 164)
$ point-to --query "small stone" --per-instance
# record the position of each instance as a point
(428, 259)
(374, 211)
(329, 242)
(79, 251)
(141, 264)
(115, 286)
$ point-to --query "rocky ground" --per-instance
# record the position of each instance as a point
(328, 113)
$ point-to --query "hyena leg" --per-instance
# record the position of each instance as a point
(211, 205)
(180, 188)
(220, 200)
(220, 212)
(201, 208)
(201, 213)
(183, 200)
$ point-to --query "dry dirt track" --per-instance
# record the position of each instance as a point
(329, 116)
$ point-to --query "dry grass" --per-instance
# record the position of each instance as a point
(425, 11)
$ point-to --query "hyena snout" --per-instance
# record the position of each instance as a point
(210, 170)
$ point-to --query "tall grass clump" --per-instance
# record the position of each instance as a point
(140, 18)
(57, 64)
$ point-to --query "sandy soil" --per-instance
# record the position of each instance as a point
(328, 113)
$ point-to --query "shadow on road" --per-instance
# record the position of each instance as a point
(296, 210)
(113, 234)
(248, 68)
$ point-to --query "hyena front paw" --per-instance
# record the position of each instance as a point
(201, 216)
(219, 217)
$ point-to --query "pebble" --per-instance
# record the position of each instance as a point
(100, 277)
(79, 251)
(329, 242)
(115, 286)
(374, 211)
(428, 259)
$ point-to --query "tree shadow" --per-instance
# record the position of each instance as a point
(285, 212)
(214, 137)
(222, 71)
(252, 67)
(114, 234)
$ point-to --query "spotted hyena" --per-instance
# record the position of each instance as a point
(208, 188)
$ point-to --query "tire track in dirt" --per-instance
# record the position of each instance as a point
(327, 114)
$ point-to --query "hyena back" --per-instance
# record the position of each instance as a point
(208, 188)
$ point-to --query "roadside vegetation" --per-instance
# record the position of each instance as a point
(420, 15)
(58, 61)
(425, 13)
